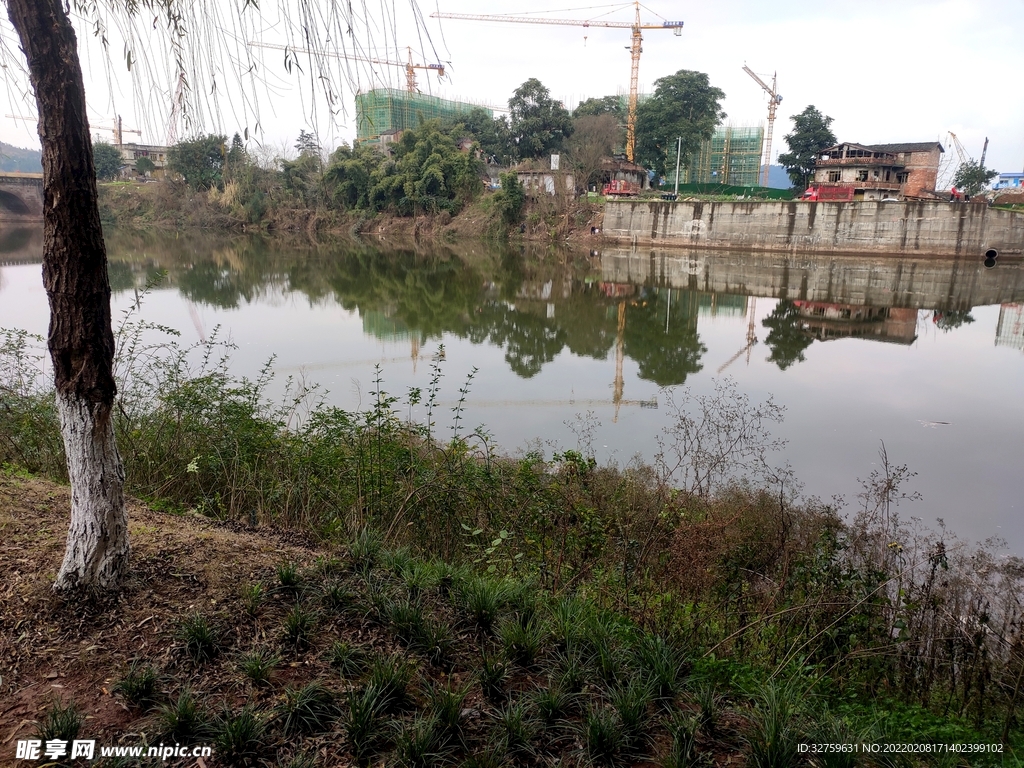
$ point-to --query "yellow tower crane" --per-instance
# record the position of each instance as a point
(774, 99)
(408, 65)
(635, 49)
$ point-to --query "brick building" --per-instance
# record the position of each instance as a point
(879, 171)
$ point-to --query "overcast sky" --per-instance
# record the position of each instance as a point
(885, 71)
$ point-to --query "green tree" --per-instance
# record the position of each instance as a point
(786, 337)
(593, 138)
(347, 179)
(429, 174)
(604, 105)
(490, 134)
(510, 199)
(538, 125)
(972, 177)
(144, 165)
(199, 161)
(811, 134)
(307, 144)
(684, 105)
(108, 160)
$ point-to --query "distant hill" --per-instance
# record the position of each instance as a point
(17, 159)
(778, 178)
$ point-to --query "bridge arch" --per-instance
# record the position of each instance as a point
(12, 203)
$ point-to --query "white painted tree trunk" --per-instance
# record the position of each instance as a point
(97, 550)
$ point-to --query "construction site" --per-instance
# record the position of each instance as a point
(384, 112)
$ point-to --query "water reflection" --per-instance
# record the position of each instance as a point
(647, 306)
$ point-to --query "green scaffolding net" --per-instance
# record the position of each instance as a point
(731, 156)
(384, 110)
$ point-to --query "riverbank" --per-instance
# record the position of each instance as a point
(970, 230)
(168, 205)
(697, 596)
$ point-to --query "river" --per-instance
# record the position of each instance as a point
(923, 355)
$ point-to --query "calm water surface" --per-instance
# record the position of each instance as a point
(923, 354)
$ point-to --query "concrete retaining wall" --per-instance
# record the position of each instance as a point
(906, 228)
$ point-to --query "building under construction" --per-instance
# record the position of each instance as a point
(730, 156)
(386, 111)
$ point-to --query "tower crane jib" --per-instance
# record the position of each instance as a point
(636, 34)
(774, 99)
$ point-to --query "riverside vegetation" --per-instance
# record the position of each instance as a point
(476, 609)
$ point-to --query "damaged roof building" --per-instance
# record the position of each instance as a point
(879, 171)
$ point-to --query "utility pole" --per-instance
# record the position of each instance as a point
(679, 148)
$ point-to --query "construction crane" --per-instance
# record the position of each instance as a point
(774, 99)
(635, 50)
(409, 66)
(984, 151)
(117, 129)
(751, 337)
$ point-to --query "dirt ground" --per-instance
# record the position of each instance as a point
(50, 650)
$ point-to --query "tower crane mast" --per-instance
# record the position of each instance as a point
(635, 48)
(408, 65)
(774, 99)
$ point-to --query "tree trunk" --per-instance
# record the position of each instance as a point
(81, 341)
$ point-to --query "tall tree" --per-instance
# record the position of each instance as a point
(538, 125)
(811, 134)
(684, 105)
(972, 177)
(593, 138)
(200, 161)
(107, 159)
(604, 105)
(80, 339)
(490, 134)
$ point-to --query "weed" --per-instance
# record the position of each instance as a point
(327, 566)
(299, 624)
(348, 659)
(835, 730)
(437, 643)
(492, 674)
(301, 760)
(138, 686)
(238, 736)
(420, 744)
(406, 619)
(253, 597)
(185, 719)
(258, 664)
(570, 618)
(487, 758)
(201, 638)
(61, 722)
(310, 709)
(398, 561)
(419, 577)
(570, 670)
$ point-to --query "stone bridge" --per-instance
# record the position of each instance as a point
(21, 197)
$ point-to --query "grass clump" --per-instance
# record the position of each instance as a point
(522, 641)
(604, 742)
(390, 678)
(553, 705)
(420, 743)
(258, 665)
(288, 577)
(364, 714)
(445, 705)
(774, 735)
(483, 600)
(139, 684)
(350, 660)
(299, 625)
(200, 637)
(253, 597)
(61, 722)
(337, 597)
(239, 737)
(515, 729)
(492, 675)
(631, 702)
(185, 719)
(683, 749)
(310, 709)
(364, 549)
